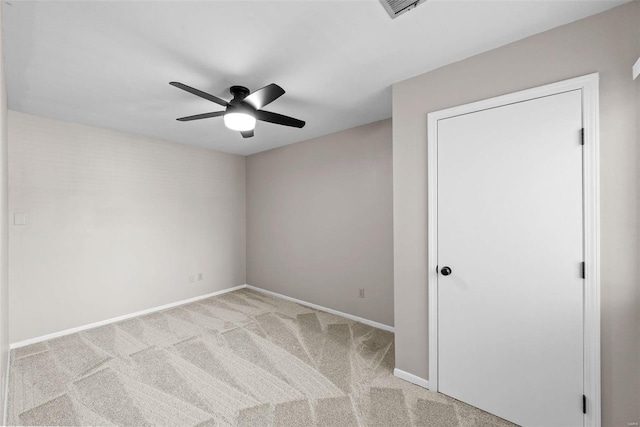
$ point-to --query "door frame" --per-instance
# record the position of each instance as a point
(589, 85)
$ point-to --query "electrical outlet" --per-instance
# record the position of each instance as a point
(200, 276)
(20, 218)
(192, 278)
(361, 293)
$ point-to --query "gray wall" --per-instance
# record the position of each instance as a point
(319, 221)
(607, 43)
(116, 223)
(4, 261)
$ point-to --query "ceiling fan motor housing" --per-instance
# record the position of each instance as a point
(239, 92)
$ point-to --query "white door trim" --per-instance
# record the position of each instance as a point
(589, 85)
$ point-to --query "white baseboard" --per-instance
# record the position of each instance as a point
(328, 310)
(120, 318)
(5, 410)
(411, 378)
(190, 300)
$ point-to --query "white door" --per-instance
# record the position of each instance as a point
(510, 229)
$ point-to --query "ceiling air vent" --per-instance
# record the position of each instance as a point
(398, 7)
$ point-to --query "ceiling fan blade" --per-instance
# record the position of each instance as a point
(200, 93)
(279, 119)
(201, 116)
(264, 96)
(247, 134)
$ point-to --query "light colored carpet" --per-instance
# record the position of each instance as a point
(238, 359)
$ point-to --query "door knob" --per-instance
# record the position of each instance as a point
(445, 271)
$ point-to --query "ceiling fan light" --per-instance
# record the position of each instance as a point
(240, 121)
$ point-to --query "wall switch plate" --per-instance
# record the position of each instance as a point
(361, 293)
(19, 218)
(200, 276)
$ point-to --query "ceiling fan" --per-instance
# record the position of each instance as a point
(244, 109)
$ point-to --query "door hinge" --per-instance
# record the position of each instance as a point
(582, 136)
(583, 273)
(584, 404)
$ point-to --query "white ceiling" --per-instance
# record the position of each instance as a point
(109, 63)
